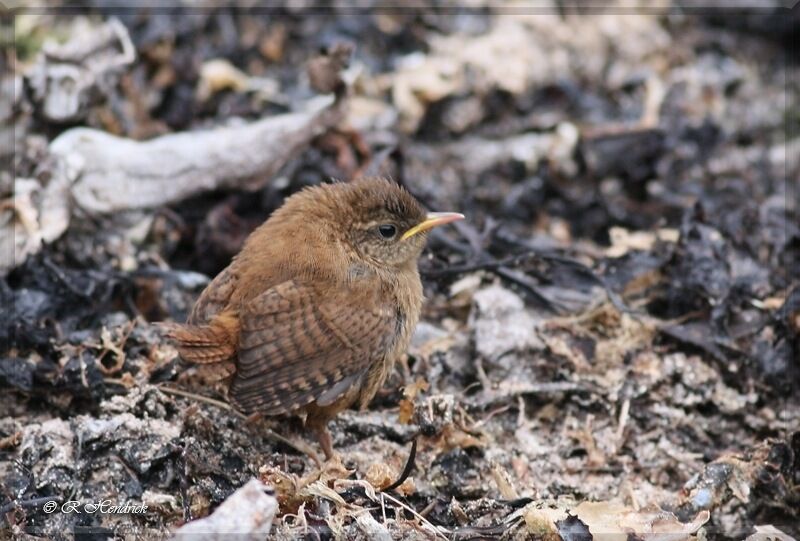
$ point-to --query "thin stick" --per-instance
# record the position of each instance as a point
(407, 470)
(426, 522)
(26, 503)
(491, 414)
(11, 441)
(222, 405)
(428, 508)
(201, 398)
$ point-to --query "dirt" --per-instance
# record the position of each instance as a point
(611, 339)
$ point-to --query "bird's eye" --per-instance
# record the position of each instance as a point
(387, 231)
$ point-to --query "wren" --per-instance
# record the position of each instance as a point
(310, 317)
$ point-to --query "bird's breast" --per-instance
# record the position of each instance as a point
(404, 293)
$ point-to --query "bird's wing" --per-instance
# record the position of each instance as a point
(296, 347)
(214, 298)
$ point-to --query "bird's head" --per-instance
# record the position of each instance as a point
(381, 222)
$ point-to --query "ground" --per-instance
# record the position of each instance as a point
(609, 340)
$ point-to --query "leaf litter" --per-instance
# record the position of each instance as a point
(609, 347)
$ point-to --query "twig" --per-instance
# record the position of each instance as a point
(33, 502)
(520, 279)
(481, 532)
(126, 467)
(408, 468)
(373, 167)
(222, 405)
(11, 441)
(428, 508)
(437, 530)
(59, 274)
(624, 413)
(491, 414)
(201, 398)
(119, 350)
(482, 260)
(183, 482)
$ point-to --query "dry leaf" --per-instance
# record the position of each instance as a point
(380, 475)
(407, 403)
(611, 521)
(769, 532)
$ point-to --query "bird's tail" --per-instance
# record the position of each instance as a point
(205, 344)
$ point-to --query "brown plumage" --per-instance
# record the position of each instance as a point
(311, 315)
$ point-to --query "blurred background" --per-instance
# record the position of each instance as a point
(619, 312)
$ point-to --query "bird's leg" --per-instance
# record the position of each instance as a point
(320, 430)
(252, 421)
(333, 468)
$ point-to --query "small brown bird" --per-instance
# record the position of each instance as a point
(311, 315)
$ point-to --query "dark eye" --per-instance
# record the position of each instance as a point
(387, 231)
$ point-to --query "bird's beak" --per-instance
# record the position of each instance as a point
(432, 220)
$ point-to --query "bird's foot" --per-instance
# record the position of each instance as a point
(332, 469)
(257, 422)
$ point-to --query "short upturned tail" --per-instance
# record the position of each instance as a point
(205, 344)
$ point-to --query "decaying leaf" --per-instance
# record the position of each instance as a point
(380, 475)
(618, 313)
(100, 173)
(768, 532)
(611, 521)
(65, 74)
(410, 393)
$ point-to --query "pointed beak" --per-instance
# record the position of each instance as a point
(432, 220)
